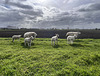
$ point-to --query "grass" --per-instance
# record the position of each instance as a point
(41, 59)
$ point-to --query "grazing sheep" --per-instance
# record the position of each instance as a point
(54, 38)
(15, 37)
(29, 34)
(28, 40)
(73, 33)
(70, 39)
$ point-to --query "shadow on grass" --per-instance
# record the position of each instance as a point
(32, 44)
(77, 40)
(55, 46)
(13, 43)
(76, 45)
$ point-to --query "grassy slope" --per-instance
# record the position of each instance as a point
(41, 59)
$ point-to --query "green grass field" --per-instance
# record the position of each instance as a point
(41, 59)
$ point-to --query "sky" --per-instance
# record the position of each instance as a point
(60, 14)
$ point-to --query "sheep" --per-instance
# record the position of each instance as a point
(28, 40)
(73, 33)
(15, 37)
(29, 34)
(70, 39)
(54, 38)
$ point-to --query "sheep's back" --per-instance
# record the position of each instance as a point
(29, 34)
(27, 40)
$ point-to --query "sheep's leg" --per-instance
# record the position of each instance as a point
(71, 42)
(25, 43)
(51, 42)
(30, 43)
(18, 39)
(68, 41)
(54, 42)
(57, 42)
(13, 40)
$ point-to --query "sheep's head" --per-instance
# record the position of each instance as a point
(79, 32)
(57, 35)
(32, 37)
(75, 36)
(34, 34)
(66, 34)
(20, 35)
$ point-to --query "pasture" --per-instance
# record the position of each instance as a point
(41, 59)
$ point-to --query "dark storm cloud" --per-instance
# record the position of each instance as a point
(92, 17)
(65, 18)
(89, 12)
(90, 7)
(73, 18)
(10, 17)
(18, 4)
(25, 9)
(22, 0)
(77, 18)
(32, 12)
(7, 1)
(68, 18)
(21, 5)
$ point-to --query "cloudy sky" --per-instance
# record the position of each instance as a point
(83, 14)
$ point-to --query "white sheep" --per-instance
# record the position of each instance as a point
(15, 37)
(70, 39)
(54, 38)
(73, 33)
(28, 40)
(29, 34)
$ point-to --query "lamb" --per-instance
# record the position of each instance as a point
(15, 37)
(54, 38)
(73, 33)
(70, 39)
(28, 40)
(29, 34)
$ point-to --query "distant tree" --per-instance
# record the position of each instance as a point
(96, 28)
